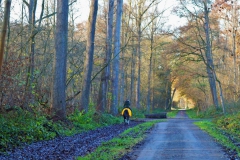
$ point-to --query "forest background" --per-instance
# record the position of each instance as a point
(136, 55)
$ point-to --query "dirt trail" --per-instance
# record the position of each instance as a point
(178, 139)
(67, 148)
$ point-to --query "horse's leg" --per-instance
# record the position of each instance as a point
(127, 119)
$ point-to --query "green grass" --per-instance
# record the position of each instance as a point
(137, 113)
(219, 126)
(229, 123)
(192, 113)
(19, 126)
(210, 112)
(213, 130)
(91, 120)
(172, 113)
(119, 146)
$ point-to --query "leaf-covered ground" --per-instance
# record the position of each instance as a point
(67, 148)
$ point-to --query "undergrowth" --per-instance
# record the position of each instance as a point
(172, 113)
(229, 123)
(19, 127)
(137, 113)
(119, 146)
(210, 112)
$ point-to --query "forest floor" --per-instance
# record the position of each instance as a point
(177, 133)
(67, 148)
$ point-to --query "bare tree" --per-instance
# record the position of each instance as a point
(60, 59)
(143, 7)
(88, 63)
(117, 46)
(208, 53)
(4, 31)
(32, 5)
(234, 29)
(153, 31)
(105, 77)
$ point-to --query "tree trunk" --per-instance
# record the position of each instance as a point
(2, 44)
(32, 12)
(210, 65)
(133, 65)
(4, 31)
(59, 76)
(124, 92)
(7, 44)
(142, 9)
(138, 87)
(172, 96)
(234, 35)
(168, 100)
(153, 90)
(88, 63)
(105, 77)
(150, 69)
(221, 93)
(139, 54)
(117, 46)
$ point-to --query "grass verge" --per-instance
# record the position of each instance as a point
(172, 113)
(213, 130)
(192, 113)
(119, 146)
(225, 129)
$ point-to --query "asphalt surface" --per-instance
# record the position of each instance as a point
(179, 139)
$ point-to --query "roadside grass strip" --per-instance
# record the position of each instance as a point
(172, 114)
(119, 146)
(192, 113)
(218, 135)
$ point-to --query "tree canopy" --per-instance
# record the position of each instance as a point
(126, 50)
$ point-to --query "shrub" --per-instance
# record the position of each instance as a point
(22, 127)
(229, 123)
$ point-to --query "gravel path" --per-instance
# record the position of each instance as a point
(67, 148)
(177, 139)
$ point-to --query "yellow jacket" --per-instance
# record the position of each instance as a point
(129, 111)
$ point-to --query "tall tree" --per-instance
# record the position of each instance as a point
(125, 63)
(4, 31)
(234, 35)
(208, 53)
(153, 32)
(200, 16)
(105, 77)
(117, 45)
(88, 63)
(32, 5)
(60, 60)
(143, 7)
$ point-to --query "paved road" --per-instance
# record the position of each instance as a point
(179, 139)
